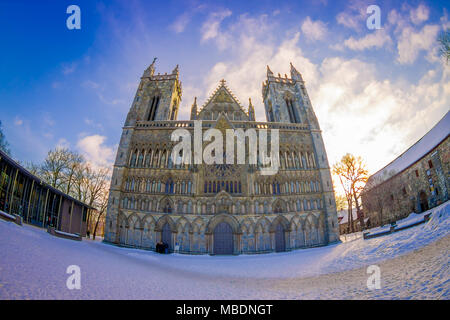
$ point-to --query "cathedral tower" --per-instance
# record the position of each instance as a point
(158, 97)
(286, 100)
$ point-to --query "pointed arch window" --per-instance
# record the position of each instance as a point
(141, 159)
(305, 166)
(163, 160)
(297, 162)
(148, 158)
(153, 108)
(293, 116)
(133, 159)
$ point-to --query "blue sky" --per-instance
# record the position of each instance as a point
(375, 92)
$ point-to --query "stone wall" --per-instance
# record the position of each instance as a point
(423, 185)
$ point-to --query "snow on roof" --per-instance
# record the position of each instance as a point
(343, 215)
(417, 151)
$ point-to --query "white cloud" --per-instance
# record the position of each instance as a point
(181, 22)
(90, 84)
(420, 14)
(358, 112)
(348, 20)
(18, 121)
(375, 39)
(314, 30)
(388, 117)
(410, 42)
(69, 68)
(63, 143)
(93, 124)
(210, 28)
(95, 151)
(354, 15)
(444, 20)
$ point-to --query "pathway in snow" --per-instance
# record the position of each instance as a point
(414, 264)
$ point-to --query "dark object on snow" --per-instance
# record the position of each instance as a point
(161, 247)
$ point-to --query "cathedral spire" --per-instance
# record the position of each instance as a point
(194, 110)
(295, 75)
(251, 110)
(151, 69)
(269, 72)
(175, 71)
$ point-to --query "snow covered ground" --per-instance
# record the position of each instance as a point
(414, 263)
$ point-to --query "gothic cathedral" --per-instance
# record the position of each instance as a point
(220, 208)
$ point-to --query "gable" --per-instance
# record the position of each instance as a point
(222, 101)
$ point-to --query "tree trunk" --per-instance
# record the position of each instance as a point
(96, 225)
(358, 211)
(88, 220)
(350, 219)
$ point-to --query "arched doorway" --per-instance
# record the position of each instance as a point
(223, 239)
(280, 244)
(423, 201)
(166, 235)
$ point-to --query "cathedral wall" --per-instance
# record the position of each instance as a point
(152, 199)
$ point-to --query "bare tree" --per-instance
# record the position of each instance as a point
(444, 44)
(346, 186)
(97, 183)
(75, 161)
(68, 171)
(80, 183)
(341, 202)
(4, 145)
(32, 168)
(101, 206)
(54, 166)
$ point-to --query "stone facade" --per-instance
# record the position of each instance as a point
(220, 208)
(394, 192)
